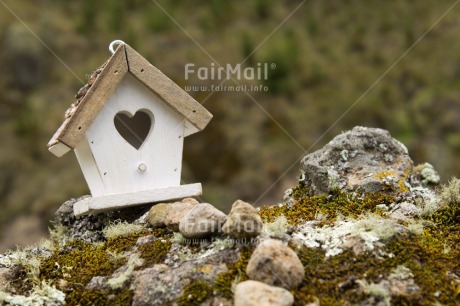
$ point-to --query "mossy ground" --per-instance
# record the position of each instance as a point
(71, 268)
(236, 273)
(198, 291)
(308, 207)
(20, 282)
(195, 293)
(432, 258)
(154, 252)
(76, 264)
(423, 255)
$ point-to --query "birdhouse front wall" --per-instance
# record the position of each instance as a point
(134, 144)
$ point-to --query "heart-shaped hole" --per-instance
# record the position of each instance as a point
(134, 129)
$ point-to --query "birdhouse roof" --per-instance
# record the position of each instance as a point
(102, 83)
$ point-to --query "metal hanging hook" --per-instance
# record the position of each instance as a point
(113, 44)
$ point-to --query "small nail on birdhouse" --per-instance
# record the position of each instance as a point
(127, 129)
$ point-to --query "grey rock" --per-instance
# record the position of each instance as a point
(98, 282)
(141, 220)
(243, 221)
(156, 215)
(405, 212)
(251, 293)
(162, 285)
(177, 211)
(146, 239)
(398, 287)
(202, 221)
(89, 227)
(275, 264)
(404, 287)
(363, 159)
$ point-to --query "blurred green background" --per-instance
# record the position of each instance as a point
(327, 54)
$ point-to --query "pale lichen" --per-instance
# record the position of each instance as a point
(115, 256)
(369, 229)
(401, 272)
(59, 235)
(222, 244)
(429, 174)
(25, 258)
(276, 228)
(376, 290)
(416, 227)
(134, 261)
(450, 193)
(42, 294)
(178, 238)
(119, 228)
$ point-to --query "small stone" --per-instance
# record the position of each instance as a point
(382, 207)
(275, 264)
(69, 112)
(82, 92)
(405, 212)
(251, 292)
(92, 78)
(141, 220)
(97, 282)
(177, 211)
(243, 221)
(157, 214)
(146, 239)
(62, 284)
(202, 221)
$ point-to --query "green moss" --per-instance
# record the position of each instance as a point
(162, 232)
(448, 215)
(236, 272)
(308, 207)
(431, 262)
(19, 281)
(77, 263)
(431, 256)
(111, 297)
(424, 255)
(195, 293)
(124, 243)
(154, 252)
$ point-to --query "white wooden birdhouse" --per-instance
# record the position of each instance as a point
(127, 129)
